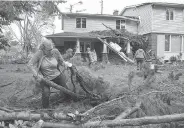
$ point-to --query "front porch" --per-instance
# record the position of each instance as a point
(79, 42)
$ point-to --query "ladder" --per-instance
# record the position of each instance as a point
(121, 54)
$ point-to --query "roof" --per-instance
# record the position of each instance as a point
(154, 3)
(101, 15)
(74, 35)
(93, 34)
(70, 34)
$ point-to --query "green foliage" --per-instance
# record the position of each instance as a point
(11, 10)
(3, 42)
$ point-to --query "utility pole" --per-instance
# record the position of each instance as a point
(101, 6)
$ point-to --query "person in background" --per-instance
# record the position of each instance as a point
(139, 57)
(68, 55)
(89, 55)
(45, 64)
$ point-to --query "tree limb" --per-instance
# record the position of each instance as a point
(58, 87)
(137, 121)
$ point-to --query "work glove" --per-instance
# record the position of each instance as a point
(67, 64)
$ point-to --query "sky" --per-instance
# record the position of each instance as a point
(94, 6)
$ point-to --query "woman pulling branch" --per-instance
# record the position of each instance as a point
(45, 64)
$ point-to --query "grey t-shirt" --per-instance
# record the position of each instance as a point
(49, 68)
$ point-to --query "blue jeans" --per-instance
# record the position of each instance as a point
(139, 62)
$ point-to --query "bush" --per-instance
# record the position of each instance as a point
(173, 59)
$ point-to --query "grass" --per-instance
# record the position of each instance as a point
(115, 77)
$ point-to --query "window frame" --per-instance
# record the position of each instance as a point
(120, 23)
(170, 11)
(81, 23)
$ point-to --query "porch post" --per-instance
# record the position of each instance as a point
(129, 52)
(104, 53)
(78, 45)
(104, 48)
(128, 47)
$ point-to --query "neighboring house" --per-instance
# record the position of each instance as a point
(163, 23)
(76, 27)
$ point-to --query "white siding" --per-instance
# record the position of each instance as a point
(161, 25)
(160, 45)
(131, 27)
(145, 14)
(172, 52)
(95, 24)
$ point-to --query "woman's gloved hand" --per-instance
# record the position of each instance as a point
(73, 70)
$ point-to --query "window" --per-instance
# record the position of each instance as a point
(176, 41)
(120, 24)
(84, 45)
(182, 45)
(80, 22)
(169, 14)
(167, 43)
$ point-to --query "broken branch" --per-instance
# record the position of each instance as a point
(128, 111)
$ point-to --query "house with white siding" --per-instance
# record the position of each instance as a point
(76, 27)
(164, 25)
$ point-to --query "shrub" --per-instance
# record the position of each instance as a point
(77, 60)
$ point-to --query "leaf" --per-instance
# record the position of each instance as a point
(12, 126)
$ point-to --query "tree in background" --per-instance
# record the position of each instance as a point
(32, 17)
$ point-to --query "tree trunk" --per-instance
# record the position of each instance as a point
(30, 116)
(59, 125)
(137, 121)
